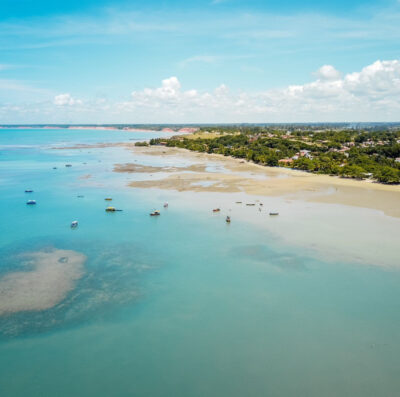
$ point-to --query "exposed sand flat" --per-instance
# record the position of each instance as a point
(131, 168)
(45, 283)
(245, 176)
(95, 146)
(278, 181)
(194, 182)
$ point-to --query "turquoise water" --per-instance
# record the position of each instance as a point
(182, 304)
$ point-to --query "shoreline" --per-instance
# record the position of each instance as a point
(157, 150)
(254, 179)
(273, 181)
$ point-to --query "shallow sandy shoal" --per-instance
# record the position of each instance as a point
(259, 180)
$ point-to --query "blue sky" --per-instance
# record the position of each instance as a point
(213, 61)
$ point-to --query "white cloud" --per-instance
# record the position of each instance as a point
(66, 100)
(168, 92)
(370, 94)
(328, 72)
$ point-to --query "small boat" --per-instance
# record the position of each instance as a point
(68, 165)
(250, 204)
(28, 191)
(110, 209)
(80, 196)
(54, 168)
(238, 202)
(108, 199)
(155, 213)
(31, 202)
(274, 213)
(228, 219)
(216, 209)
(261, 204)
(165, 205)
(74, 224)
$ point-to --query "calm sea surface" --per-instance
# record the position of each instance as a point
(184, 304)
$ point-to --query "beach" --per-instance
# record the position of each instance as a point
(259, 180)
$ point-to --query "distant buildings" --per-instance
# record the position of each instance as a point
(285, 161)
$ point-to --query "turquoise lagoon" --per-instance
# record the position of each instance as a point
(184, 304)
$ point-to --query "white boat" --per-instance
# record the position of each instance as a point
(74, 224)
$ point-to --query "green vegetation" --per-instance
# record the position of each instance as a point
(347, 153)
(141, 144)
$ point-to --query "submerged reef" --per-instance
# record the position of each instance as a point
(45, 282)
(51, 288)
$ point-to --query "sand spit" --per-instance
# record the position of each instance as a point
(49, 276)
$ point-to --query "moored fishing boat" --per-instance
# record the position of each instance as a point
(216, 209)
(110, 209)
(228, 219)
(274, 213)
(155, 213)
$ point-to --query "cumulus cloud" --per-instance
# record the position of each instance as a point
(370, 94)
(328, 72)
(66, 100)
(169, 93)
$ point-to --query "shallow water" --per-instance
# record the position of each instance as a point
(184, 304)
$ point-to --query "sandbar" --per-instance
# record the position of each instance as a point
(48, 277)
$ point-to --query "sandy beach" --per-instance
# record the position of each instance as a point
(241, 176)
(237, 175)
